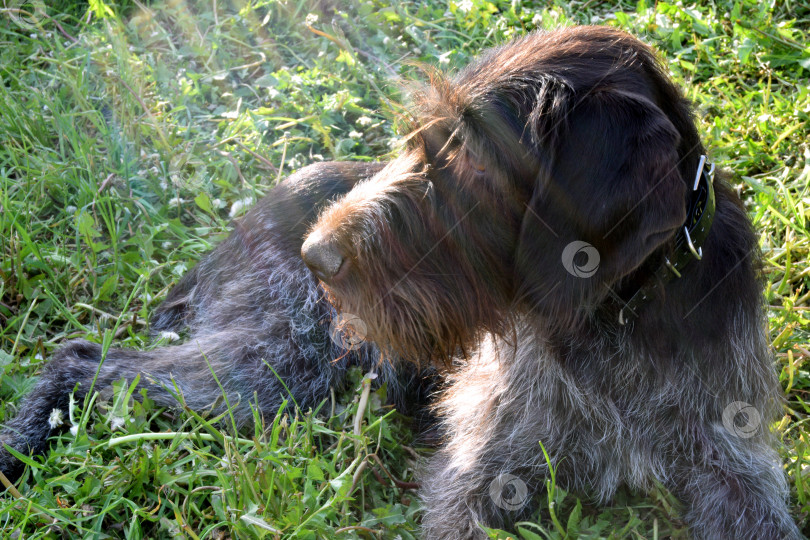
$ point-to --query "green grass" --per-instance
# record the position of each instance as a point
(127, 135)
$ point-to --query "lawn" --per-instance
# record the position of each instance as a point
(132, 134)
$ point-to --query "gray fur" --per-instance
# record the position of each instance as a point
(600, 436)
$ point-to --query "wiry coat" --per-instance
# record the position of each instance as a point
(575, 135)
(255, 317)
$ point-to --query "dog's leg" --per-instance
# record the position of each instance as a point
(74, 366)
(492, 463)
(238, 359)
(736, 491)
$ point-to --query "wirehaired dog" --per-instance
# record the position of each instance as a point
(256, 319)
(552, 229)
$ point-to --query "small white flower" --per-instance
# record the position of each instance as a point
(56, 419)
(218, 203)
(238, 206)
(312, 19)
(465, 6)
(116, 422)
(74, 430)
(355, 134)
(296, 79)
(169, 336)
(176, 201)
(364, 121)
(273, 93)
(386, 40)
(163, 185)
(166, 245)
(444, 58)
(70, 209)
(537, 20)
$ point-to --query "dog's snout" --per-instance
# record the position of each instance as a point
(322, 256)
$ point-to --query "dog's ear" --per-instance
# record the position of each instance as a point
(608, 195)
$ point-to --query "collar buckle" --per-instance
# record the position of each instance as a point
(697, 253)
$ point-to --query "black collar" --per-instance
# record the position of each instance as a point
(689, 239)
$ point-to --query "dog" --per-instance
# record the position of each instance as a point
(255, 319)
(553, 233)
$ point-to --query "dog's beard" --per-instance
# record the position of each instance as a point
(410, 321)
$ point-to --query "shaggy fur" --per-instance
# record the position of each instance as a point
(457, 249)
(251, 307)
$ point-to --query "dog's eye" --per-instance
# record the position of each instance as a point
(472, 161)
(476, 166)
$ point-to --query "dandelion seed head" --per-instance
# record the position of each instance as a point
(170, 336)
(56, 418)
(238, 206)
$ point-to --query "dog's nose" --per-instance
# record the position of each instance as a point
(321, 256)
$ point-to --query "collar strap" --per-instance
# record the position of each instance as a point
(689, 240)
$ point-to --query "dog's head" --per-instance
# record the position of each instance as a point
(546, 172)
